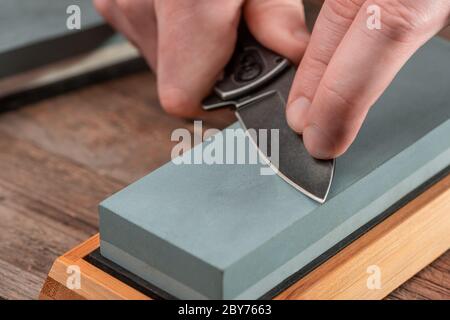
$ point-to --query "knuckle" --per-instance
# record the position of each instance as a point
(216, 14)
(343, 105)
(319, 57)
(399, 21)
(335, 10)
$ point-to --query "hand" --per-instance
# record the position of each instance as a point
(347, 66)
(189, 42)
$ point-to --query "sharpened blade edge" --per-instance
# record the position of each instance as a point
(280, 174)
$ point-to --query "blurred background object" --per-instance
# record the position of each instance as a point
(38, 49)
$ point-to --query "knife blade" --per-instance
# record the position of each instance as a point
(256, 82)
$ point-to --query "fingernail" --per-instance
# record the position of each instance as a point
(296, 113)
(318, 142)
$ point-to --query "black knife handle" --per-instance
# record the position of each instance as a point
(251, 67)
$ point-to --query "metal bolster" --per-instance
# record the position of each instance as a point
(252, 85)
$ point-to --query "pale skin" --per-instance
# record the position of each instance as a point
(343, 68)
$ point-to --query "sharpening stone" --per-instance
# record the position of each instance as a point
(34, 33)
(228, 232)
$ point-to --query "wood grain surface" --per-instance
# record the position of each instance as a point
(60, 157)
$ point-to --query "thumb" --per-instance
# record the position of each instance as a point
(279, 25)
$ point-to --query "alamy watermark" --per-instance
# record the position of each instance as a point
(73, 21)
(73, 281)
(374, 279)
(230, 146)
(373, 22)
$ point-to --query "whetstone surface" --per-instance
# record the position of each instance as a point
(225, 231)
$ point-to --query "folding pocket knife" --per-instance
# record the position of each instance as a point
(256, 83)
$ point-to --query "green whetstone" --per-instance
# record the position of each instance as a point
(225, 231)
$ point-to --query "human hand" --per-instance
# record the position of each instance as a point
(347, 66)
(189, 42)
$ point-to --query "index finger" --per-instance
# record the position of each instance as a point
(333, 21)
(362, 67)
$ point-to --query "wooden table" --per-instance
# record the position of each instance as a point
(60, 157)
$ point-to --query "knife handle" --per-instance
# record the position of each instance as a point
(251, 67)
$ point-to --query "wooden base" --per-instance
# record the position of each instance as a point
(398, 248)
